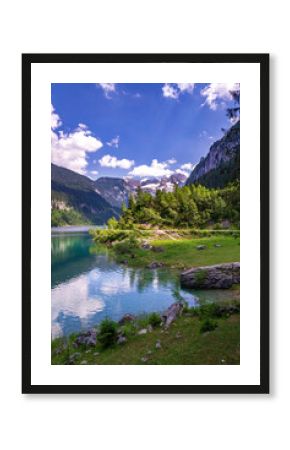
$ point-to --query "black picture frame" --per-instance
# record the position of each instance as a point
(263, 61)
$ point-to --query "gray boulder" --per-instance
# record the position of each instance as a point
(126, 318)
(219, 276)
(158, 344)
(157, 249)
(155, 265)
(171, 314)
(146, 246)
(88, 338)
(142, 331)
(72, 358)
(121, 340)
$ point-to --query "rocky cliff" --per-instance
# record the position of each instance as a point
(222, 163)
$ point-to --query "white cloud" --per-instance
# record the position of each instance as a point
(82, 126)
(186, 169)
(114, 142)
(170, 91)
(70, 149)
(217, 93)
(182, 172)
(156, 169)
(175, 90)
(187, 166)
(186, 87)
(113, 162)
(171, 161)
(55, 119)
(94, 172)
(108, 89)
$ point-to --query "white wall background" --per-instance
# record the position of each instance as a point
(170, 422)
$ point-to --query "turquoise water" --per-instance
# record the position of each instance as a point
(87, 285)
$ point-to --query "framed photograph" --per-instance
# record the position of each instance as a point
(145, 251)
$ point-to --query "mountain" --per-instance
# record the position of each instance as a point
(117, 190)
(77, 199)
(222, 163)
(166, 184)
(74, 198)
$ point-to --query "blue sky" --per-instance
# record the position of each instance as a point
(136, 129)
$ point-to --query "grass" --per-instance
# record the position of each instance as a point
(182, 253)
(182, 343)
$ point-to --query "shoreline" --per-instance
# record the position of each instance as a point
(199, 331)
(214, 247)
(72, 229)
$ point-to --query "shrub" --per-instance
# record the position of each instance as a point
(116, 235)
(212, 310)
(194, 310)
(209, 310)
(127, 245)
(154, 319)
(143, 321)
(207, 325)
(108, 333)
(129, 330)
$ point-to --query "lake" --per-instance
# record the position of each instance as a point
(87, 285)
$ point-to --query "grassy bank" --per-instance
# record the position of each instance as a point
(183, 252)
(182, 343)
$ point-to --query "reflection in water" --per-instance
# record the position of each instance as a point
(88, 285)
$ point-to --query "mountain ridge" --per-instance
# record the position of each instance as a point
(221, 165)
(73, 192)
(117, 190)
